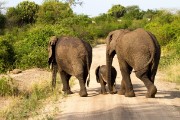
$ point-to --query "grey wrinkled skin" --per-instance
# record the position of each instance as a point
(71, 57)
(101, 76)
(138, 50)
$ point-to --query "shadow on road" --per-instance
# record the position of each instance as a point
(147, 111)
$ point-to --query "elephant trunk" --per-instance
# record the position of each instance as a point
(54, 74)
(109, 59)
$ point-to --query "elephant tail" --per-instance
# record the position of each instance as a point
(97, 74)
(156, 56)
(88, 68)
(152, 51)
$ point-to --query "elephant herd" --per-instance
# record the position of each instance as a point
(137, 49)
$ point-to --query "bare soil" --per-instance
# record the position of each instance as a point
(166, 105)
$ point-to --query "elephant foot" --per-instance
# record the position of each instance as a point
(112, 92)
(121, 92)
(68, 92)
(151, 92)
(130, 94)
(83, 93)
(103, 92)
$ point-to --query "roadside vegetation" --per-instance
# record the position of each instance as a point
(25, 30)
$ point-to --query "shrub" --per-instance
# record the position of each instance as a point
(32, 50)
(24, 13)
(52, 12)
(6, 55)
(117, 11)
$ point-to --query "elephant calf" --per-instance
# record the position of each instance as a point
(101, 77)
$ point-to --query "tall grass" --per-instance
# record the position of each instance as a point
(8, 87)
(169, 63)
(27, 106)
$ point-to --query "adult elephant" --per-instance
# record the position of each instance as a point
(72, 57)
(138, 50)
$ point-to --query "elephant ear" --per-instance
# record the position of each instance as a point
(97, 74)
(109, 37)
(51, 49)
(111, 41)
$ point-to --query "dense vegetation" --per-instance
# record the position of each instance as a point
(26, 28)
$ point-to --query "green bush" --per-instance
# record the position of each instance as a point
(24, 13)
(2, 21)
(52, 12)
(32, 50)
(6, 55)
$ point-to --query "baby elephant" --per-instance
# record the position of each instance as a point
(101, 77)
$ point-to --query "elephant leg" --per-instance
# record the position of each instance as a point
(65, 80)
(122, 88)
(81, 75)
(83, 91)
(126, 71)
(151, 88)
(103, 88)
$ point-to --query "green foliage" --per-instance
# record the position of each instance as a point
(24, 13)
(32, 50)
(12, 17)
(6, 55)
(27, 12)
(165, 29)
(52, 12)
(149, 14)
(117, 11)
(133, 12)
(2, 23)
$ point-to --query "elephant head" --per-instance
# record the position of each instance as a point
(111, 42)
(52, 61)
(51, 49)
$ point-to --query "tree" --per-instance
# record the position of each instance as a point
(133, 12)
(24, 13)
(150, 14)
(2, 18)
(1, 6)
(12, 16)
(73, 2)
(27, 11)
(53, 11)
(117, 11)
(2, 21)
(6, 55)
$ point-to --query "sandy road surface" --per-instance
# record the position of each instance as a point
(166, 105)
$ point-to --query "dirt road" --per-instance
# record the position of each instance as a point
(166, 105)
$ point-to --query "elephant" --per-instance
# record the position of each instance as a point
(138, 50)
(71, 57)
(100, 73)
